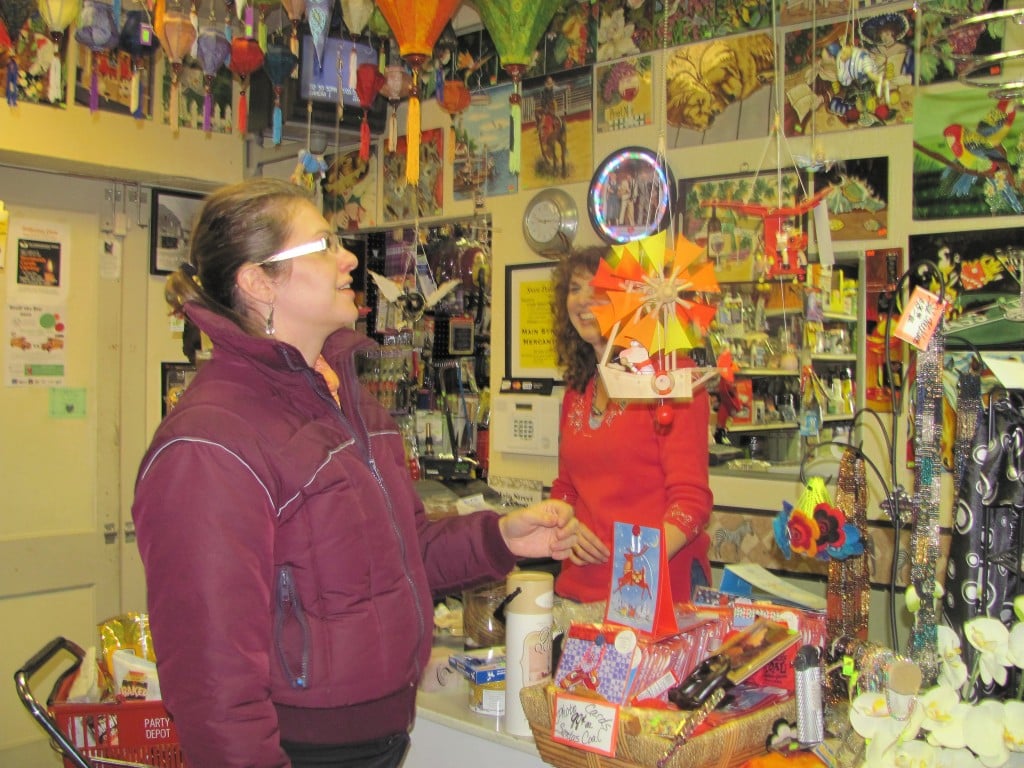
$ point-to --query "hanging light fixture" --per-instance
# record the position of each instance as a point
(416, 25)
(295, 9)
(246, 58)
(213, 51)
(515, 27)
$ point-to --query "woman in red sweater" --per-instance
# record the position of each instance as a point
(616, 463)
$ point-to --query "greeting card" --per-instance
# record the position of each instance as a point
(640, 596)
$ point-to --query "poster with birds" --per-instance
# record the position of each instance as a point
(967, 156)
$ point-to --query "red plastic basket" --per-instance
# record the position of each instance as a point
(134, 731)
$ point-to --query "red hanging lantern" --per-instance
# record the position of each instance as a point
(246, 58)
(416, 25)
(455, 98)
(369, 81)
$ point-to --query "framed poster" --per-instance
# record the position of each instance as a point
(529, 333)
(172, 215)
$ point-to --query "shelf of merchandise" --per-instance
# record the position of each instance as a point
(774, 426)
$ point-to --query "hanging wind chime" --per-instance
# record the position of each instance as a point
(416, 25)
(97, 31)
(57, 14)
(213, 51)
(516, 27)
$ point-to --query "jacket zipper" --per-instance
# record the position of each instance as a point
(288, 604)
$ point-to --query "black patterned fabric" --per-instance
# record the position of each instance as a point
(984, 567)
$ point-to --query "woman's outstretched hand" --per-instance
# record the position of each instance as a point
(545, 529)
(588, 549)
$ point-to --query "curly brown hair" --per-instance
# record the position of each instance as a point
(575, 355)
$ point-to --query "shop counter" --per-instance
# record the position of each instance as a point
(447, 732)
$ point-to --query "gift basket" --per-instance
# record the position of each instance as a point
(105, 709)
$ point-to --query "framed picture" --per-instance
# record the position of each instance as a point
(174, 380)
(529, 333)
(719, 213)
(172, 215)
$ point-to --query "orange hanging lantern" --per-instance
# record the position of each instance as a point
(516, 27)
(176, 36)
(416, 25)
(455, 98)
(246, 58)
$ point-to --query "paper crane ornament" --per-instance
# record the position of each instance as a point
(412, 303)
(516, 27)
(136, 40)
(369, 81)
(656, 309)
(213, 49)
(416, 25)
(57, 15)
(97, 31)
(246, 58)
(279, 63)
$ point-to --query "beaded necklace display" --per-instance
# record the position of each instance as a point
(924, 536)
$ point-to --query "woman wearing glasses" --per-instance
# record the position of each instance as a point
(289, 563)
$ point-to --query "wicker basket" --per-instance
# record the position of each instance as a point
(726, 746)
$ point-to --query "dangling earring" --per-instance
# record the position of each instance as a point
(269, 328)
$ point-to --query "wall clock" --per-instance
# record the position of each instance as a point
(631, 195)
(550, 222)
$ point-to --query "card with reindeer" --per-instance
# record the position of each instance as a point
(640, 595)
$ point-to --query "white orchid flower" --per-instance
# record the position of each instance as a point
(984, 726)
(944, 715)
(1015, 644)
(991, 638)
(1013, 725)
(957, 758)
(913, 599)
(1018, 607)
(952, 670)
(917, 754)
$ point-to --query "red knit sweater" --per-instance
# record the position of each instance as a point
(624, 467)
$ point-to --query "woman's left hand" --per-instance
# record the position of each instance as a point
(545, 529)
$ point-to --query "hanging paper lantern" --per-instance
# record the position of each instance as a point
(516, 27)
(57, 15)
(295, 9)
(213, 50)
(369, 82)
(397, 83)
(137, 41)
(355, 14)
(454, 99)
(97, 31)
(279, 63)
(14, 14)
(416, 25)
(318, 14)
(176, 38)
(246, 58)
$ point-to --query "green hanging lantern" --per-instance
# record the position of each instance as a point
(516, 27)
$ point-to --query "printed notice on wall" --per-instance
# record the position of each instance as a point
(35, 354)
(39, 259)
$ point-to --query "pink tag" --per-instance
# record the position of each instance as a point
(920, 318)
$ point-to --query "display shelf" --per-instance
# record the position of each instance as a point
(848, 357)
(769, 427)
(830, 418)
(766, 372)
(838, 317)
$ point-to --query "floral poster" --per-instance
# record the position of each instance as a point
(967, 156)
(404, 201)
(626, 27)
(720, 90)
(624, 97)
(943, 56)
(843, 76)
(33, 52)
(350, 190)
(557, 133)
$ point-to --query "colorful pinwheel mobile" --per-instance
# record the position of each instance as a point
(658, 307)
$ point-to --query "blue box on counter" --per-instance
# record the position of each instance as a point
(479, 669)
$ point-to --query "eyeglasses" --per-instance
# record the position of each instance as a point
(329, 242)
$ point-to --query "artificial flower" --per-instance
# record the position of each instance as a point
(1013, 725)
(944, 717)
(984, 728)
(913, 599)
(991, 639)
(1018, 607)
(803, 533)
(1015, 645)
(830, 522)
(952, 670)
